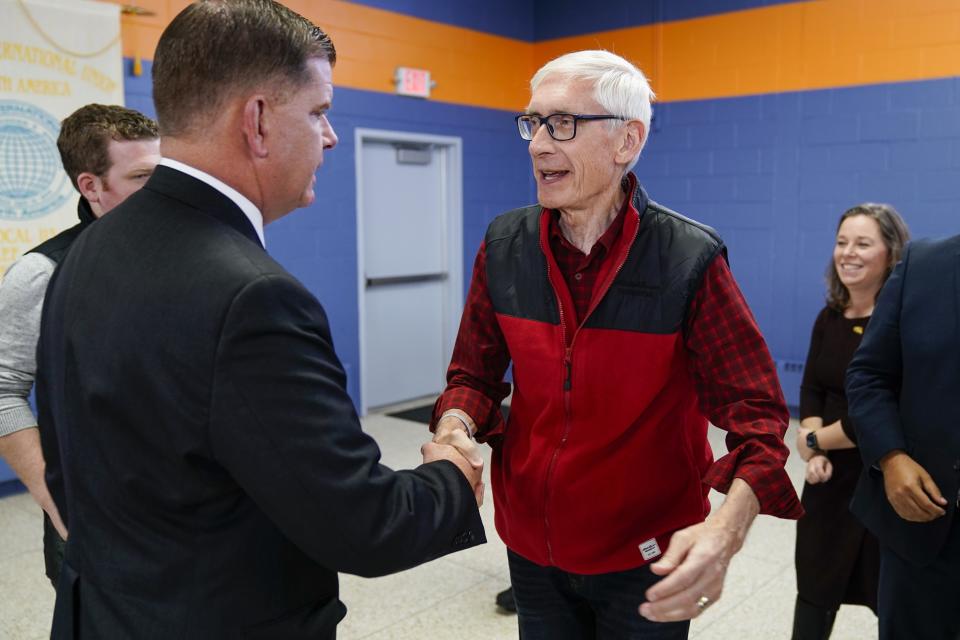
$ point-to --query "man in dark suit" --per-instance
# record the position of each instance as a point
(903, 388)
(203, 450)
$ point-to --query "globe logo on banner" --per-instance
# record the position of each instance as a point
(32, 181)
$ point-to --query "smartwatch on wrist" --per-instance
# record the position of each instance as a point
(812, 441)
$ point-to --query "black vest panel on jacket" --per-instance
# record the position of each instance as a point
(651, 293)
(517, 267)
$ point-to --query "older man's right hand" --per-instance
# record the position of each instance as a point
(433, 451)
(452, 430)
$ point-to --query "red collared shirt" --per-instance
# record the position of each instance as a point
(580, 271)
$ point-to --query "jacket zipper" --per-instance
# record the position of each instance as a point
(568, 374)
(566, 412)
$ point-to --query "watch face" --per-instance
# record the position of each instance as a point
(812, 440)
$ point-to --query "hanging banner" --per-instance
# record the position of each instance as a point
(55, 56)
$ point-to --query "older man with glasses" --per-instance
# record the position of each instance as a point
(627, 333)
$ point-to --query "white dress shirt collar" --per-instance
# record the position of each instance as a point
(249, 209)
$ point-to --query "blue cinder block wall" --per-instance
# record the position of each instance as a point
(773, 173)
(319, 244)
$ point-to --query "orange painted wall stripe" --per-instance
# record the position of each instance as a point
(785, 47)
(469, 67)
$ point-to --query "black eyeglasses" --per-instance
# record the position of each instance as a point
(560, 126)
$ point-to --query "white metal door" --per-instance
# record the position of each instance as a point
(406, 203)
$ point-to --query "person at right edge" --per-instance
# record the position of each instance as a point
(215, 475)
(837, 560)
(903, 394)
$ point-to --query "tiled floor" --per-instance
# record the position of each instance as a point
(452, 598)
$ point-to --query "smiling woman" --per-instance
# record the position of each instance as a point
(837, 559)
(870, 240)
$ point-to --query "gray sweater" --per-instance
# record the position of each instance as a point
(21, 301)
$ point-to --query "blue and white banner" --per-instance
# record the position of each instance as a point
(55, 56)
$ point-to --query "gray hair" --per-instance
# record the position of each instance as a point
(619, 86)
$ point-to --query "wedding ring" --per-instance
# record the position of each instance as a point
(702, 603)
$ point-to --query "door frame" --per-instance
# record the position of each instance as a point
(451, 155)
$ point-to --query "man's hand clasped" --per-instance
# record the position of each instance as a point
(452, 441)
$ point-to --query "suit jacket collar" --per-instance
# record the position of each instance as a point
(198, 195)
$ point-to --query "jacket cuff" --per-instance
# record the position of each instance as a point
(487, 419)
(771, 485)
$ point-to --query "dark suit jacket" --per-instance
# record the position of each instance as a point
(214, 473)
(903, 389)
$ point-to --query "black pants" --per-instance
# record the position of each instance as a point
(53, 546)
(921, 603)
(557, 605)
(811, 622)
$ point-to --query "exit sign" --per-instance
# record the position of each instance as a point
(413, 82)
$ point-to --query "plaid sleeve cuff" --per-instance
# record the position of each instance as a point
(768, 480)
(486, 417)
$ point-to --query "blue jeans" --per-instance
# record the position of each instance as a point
(556, 605)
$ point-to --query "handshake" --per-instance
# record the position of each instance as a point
(452, 441)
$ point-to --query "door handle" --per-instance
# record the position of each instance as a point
(411, 279)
